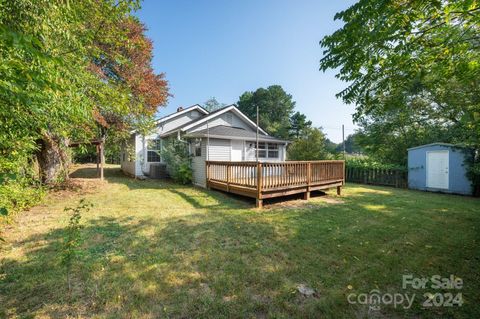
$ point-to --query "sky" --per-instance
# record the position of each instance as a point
(213, 48)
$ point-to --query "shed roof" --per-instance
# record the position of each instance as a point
(233, 133)
(436, 144)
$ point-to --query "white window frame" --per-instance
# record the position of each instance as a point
(156, 150)
(275, 149)
(267, 148)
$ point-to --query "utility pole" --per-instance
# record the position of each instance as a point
(256, 148)
(343, 140)
(208, 143)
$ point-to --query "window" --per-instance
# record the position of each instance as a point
(266, 150)
(197, 147)
(272, 150)
(153, 151)
(262, 150)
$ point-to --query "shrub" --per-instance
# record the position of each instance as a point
(18, 193)
(179, 162)
(366, 163)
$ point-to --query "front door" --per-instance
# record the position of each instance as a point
(437, 169)
(237, 151)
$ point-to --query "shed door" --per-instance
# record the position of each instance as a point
(437, 169)
(237, 150)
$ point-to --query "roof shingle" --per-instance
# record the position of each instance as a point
(229, 132)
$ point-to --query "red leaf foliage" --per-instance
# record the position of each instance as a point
(129, 63)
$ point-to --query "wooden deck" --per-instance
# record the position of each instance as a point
(262, 180)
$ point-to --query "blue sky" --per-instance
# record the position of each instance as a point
(224, 48)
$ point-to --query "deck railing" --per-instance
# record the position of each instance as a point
(272, 179)
(275, 175)
(234, 173)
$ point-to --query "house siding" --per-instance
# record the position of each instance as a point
(457, 172)
(139, 155)
(178, 121)
(198, 166)
(223, 119)
(127, 165)
(142, 167)
(218, 150)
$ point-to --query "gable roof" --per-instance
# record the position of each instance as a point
(437, 144)
(184, 111)
(225, 109)
(233, 133)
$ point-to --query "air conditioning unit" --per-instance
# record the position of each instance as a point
(158, 171)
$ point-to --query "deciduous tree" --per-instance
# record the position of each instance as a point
(413, 71)
(71, 70)
(310, 147)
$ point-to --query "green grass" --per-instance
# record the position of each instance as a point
(156, 249)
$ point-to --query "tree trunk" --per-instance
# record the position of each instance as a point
(53, 159)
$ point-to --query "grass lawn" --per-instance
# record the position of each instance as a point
(154, 249)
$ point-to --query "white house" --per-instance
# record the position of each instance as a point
(222, 135)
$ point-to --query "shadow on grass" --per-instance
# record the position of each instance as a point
(89, 171)
(180, 268)
(115, 175)
(227, 261)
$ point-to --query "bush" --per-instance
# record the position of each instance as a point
(18, 193)
(179, 162)
(365, 162)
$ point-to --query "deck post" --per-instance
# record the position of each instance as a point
(259, 201)
(339, 190)
(306, 196)
(207, 174)
(228, 177)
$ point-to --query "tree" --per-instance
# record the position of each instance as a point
(385, 135)
(275, 107)
(212, 104)
(351, 145)
(413, 72)
(71, 71)
(310, 147)
(331, 146)
(299, 125)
